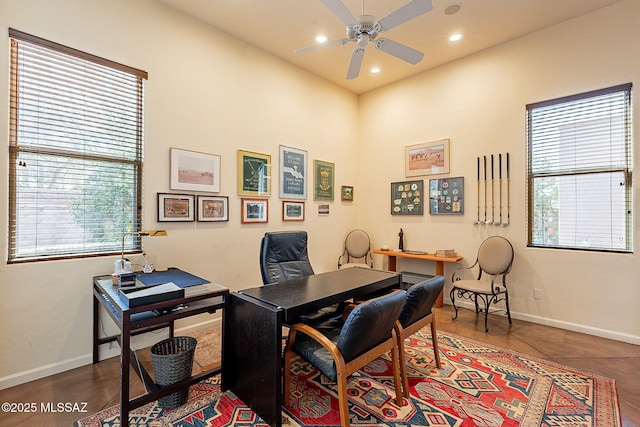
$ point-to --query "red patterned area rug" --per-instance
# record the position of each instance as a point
(478, 385)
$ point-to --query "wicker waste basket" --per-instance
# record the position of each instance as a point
(172, 362)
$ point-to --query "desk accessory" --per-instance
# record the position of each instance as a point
(123, 265)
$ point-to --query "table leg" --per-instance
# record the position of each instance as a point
(125, 361)
(440, 272)
(96, 347)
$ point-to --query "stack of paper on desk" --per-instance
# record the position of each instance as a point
(151, 294)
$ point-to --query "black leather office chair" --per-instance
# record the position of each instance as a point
(416, 314)
(284, 256)
(338, 349)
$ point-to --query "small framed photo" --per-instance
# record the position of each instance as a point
(323, 209)
(254, 174)
(254, 210)
(193, 171)
(429, 158)
(213, 208)
(175, 207)
(292, 211)
(347, 193)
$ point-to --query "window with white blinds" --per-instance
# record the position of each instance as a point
(579, 171)
(75, 152)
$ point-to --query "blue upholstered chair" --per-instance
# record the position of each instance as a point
(338, 349)
(416, 314)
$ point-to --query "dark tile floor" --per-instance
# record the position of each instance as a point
(98, 385)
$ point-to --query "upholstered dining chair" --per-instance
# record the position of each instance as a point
(284, 256)
(494, 261)
(416, 314)
(357, 250)
(338, 349)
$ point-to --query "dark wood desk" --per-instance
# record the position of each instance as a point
(252, 339)
(392, 265)
(141, 319)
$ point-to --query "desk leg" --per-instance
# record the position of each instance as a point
(440, 272)
(96, 331)
(125, 361)
(252, 345)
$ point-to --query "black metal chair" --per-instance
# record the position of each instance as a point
(338, 349)
(416, 314)
(284, 256)
(495, 258)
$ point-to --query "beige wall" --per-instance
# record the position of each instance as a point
(211, 93)
(206, 92)
(479, 103)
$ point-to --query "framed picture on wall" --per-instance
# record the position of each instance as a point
(347, 193)
(407, 198)
(194, 171)
(213, 208)
(293, 173)
(324, 178)
(446, 196)
(292, 211)
(175, 207)
(254, 210)
(254, 174)
(429, 158)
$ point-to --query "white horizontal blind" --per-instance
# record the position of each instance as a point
(579, 171)
(75, 152)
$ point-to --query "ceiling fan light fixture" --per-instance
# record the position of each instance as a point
(321, 38)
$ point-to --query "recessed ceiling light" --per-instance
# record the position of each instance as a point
(453, 9)
(321, 38)
(455, 37)
(375, 69)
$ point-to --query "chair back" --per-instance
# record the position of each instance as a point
(495, 255)
(284, 256)
(369, 324)
(357, 247)
(421, 298)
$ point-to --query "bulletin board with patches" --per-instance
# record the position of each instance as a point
(446, 196)
(407, 198)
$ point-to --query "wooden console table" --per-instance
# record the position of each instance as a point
(393, 256)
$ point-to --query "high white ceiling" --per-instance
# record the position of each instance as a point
(281, 26)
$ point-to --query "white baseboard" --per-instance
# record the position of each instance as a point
(589, 330)
(106, 351)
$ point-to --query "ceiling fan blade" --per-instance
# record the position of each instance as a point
(340, 10)
(407, 12)
(320, 46)
(399, 50)
(355, 63)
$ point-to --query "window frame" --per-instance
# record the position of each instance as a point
(112, 246)
(626, 170)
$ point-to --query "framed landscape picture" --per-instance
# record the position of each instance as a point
(407, 198)
(293, 173)
(254, 210)
(254, 174)
(194, 171)
(175, 207)
(292, 211)
(213, 208)
(429, 158)
(324, 178)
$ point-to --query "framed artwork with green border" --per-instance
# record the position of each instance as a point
(254, 174)
(324, 178)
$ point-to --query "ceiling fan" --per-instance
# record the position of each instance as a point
(365, 29)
